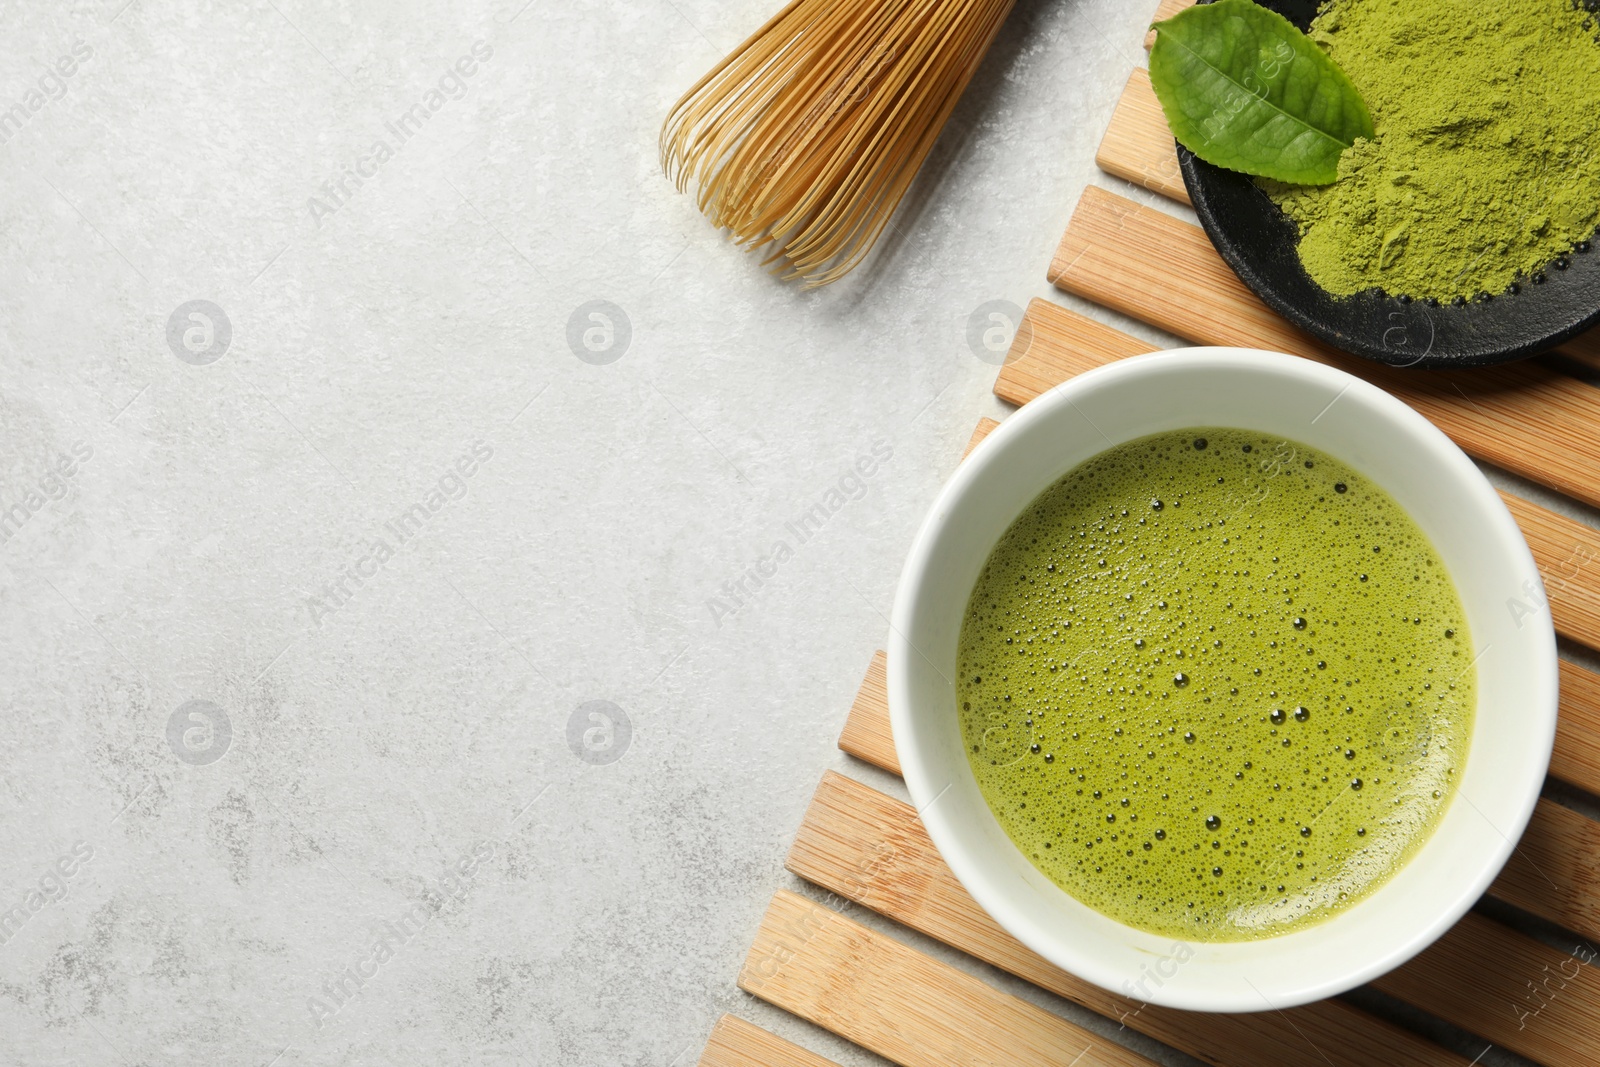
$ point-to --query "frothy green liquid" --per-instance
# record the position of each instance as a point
(1216, 685)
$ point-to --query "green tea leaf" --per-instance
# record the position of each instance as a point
(1244, 89)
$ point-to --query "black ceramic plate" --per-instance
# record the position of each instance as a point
(1258, 242)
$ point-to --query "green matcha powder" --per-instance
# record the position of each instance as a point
(1486, 165)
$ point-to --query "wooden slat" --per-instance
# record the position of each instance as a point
(872, 849)
(1524, 417)
(1577, 753)
(1059, 344)
(1568, 555)
(982, 431)
(1138, 143)
(736, 1043)
(866, 728)
(901, 1004)
(1167, 9)
(1553, 873)
(867, 734)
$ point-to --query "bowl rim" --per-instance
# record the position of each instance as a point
(925, 789)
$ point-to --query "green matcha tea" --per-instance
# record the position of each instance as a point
(1216, 685)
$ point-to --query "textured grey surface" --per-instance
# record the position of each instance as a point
(392, 709)
(309, 599)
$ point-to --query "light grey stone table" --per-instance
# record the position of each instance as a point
(382, 444)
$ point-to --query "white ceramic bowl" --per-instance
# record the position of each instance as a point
(1376, 434)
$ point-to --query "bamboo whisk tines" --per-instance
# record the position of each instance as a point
(804, 139)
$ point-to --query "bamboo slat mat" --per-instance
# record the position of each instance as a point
(870, 850)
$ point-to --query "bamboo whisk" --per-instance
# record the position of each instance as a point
(808, 134)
